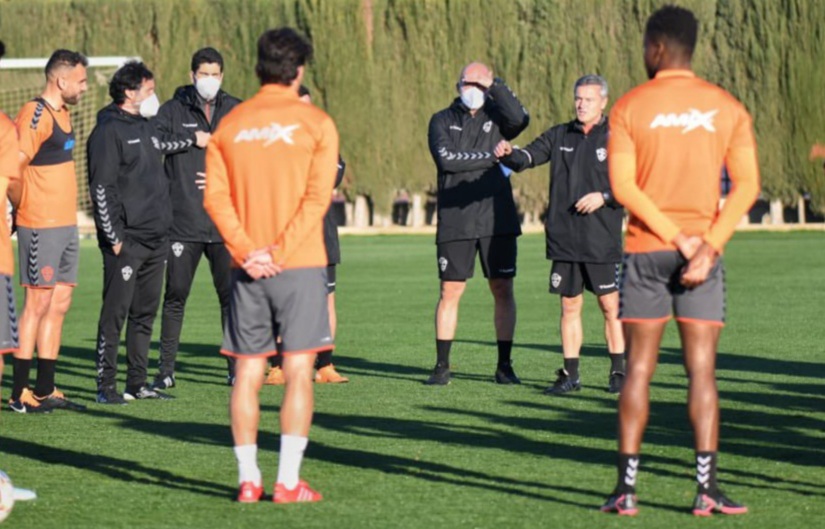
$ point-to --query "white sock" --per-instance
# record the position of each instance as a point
(289, 464)
(248, 470)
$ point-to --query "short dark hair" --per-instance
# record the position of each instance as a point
(206, 56)
(280, 52)
(128, 77)
(674, 25)
(304, 91)
(61, 58)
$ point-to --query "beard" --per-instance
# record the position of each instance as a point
(72, 99)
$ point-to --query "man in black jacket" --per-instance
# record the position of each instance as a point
(583, 226)
(197, 107)
(476, 211)
(133, 213)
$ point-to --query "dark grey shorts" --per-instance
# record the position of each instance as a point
(650, 290)
(8, 316)
(456, 259)
(48, 256)
(292, 305)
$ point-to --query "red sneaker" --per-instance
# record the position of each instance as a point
(249, 493)
(301, 493)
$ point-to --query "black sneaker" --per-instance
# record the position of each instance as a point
(57, 400)
(623, 504)
(440, 376)
(706, 503)
(506, 375)
(230, 380)
(27, 403)
(563, 384)
(145, 393)
(163, 382)
(615, 382)
(110, 396)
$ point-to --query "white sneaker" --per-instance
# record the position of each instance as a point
(24, 494)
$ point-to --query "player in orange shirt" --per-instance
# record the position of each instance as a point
(46, 213)
(270, 170)
(668, 141)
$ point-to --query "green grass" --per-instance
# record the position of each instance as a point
(387, 451)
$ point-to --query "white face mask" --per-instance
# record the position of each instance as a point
(149, 106)
(208, 87)
(473, 98)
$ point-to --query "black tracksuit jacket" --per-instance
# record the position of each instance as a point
(330, 228)
(475, 199)
(129, 189)
(179, 118)
(578, 166)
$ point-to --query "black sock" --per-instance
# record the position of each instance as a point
(324, 359)
(442, 351)
(706, 472)
(45, 377)
(276, 360)
(616, 362)
(571, 365)
(628, 467)
(21, 377)
(504, 349)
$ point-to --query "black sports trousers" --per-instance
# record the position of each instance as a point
(181, 265)
(132, 283)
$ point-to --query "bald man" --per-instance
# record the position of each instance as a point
(476, 211)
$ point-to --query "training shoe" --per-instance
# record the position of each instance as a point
(230, 380)
(23, 494)
(146, 393)
(621, 504)
(27, 403)
(275, 377)
(110, 396)
(506, 375)
(249, 493)
(163, 382)
(706, 504)
(440, 377)
(328, 375)
(301, 493)
(615, 382)
(59, 401)
(563, 384)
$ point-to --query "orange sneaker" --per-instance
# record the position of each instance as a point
(27, 403)
(328, 375)
(301, 493)
(275, 377)
(249, 493)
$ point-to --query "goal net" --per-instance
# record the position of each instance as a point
(23, 79)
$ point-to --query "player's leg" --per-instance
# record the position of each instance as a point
(498, 262)
(326, 372)
(181, 265)
(35, 306)
(220, 264)
(567, 281)
(456, 262)
(244, 412)
(142, 313)
(8, 323)
(602, 280)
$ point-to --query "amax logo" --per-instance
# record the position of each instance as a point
(688, 121)
(273, 133)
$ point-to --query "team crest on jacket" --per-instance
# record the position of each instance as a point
(442, 263)
(488, 126)
(177, 249)
(555, 280)
(601, 154)
(126, 271)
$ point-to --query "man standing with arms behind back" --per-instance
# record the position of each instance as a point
(270, 172)
(668, 141)
(476, 210)
(46, 202)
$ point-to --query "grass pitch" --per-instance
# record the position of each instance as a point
(387, 451)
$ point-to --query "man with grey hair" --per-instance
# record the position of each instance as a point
(583, 226)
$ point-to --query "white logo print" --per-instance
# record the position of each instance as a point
(488, 126)
(189, 125)
(566, 149)
(555, 280)
(632, 470)
(689, 121)
(177, 249)
(601, 154)
(273, 133)
(127, 272)
(133, 142)
(442, 263)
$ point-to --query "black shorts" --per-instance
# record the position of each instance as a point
(331, 279)
(456, 259)
(570, 279)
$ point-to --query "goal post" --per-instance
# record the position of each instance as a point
(22, 79)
